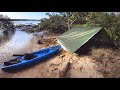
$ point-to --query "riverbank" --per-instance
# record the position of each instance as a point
(61, 65)
(67, 65)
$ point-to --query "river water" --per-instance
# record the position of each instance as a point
(18, 43)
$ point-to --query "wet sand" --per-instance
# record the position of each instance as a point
(61, 65)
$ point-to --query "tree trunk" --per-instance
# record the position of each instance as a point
(68, 25)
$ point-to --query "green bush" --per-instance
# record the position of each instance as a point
(7, 25)
(58, 23)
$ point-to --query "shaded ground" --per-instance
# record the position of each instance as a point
(108, 62)
(67, 65)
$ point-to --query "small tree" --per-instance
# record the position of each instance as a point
(56, 23)
(6, 24)
(74, 18)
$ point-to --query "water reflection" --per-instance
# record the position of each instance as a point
(19, 42)
(5, 37)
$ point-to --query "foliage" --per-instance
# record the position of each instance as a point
(32, 30)
(74, 18)
(6, 25)
(55, 23)
(110, 22)
(62, 21)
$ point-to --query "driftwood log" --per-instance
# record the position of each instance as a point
(63, 72)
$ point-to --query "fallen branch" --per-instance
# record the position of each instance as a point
(64, 71)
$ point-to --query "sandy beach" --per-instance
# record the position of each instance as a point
(67, 65)
(61, 65)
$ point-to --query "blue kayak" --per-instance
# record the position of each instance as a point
(40, 55)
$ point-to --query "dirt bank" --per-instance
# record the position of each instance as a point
(62, 65)
(108, 62)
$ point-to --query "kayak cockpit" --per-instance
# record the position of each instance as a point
(11, 62)
(28, 57)
(20, 59)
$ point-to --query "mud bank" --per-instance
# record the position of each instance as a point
(61, 65)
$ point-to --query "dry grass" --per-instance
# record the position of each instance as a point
(108, 62)
(100, 54)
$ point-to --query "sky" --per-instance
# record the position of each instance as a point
(25, 15)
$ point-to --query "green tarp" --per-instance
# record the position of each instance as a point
(76, 37)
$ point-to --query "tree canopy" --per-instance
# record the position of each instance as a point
(6, 25)
(55, 23)
(62, 21)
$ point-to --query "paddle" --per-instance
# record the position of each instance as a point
(20, 54)
(17, 55)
